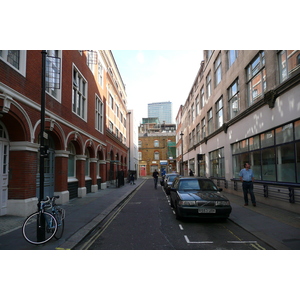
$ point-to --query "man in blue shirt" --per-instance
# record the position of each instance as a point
(246, 176)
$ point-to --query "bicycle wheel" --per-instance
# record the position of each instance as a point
(31, 228)
(59, 216)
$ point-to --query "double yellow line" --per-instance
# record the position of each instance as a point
(92, 240)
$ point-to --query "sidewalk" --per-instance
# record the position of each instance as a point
(279, 228)
(82, 216)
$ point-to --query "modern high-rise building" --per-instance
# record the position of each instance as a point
(161, 110)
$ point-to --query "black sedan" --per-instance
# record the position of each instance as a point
(198, 197)
(169, 181)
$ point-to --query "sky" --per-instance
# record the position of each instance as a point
(157, 76)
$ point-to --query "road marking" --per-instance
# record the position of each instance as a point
(242, 242)
(61, 248)
(202, 242)
(180, 226)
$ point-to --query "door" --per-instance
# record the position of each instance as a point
(143, 171)
(4, 159)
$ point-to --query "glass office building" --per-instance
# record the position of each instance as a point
(161, 110)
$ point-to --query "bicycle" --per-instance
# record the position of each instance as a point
(41, 226)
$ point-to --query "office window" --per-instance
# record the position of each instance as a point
(156, 143)
(217, 163)
(231, 57)
(274, 154)
(289, 61)
(219, 113)
(99, 114)
(193, 113)
(198, 137)
(203, 129)
(190, 140)
(234, 99)
(100, 73)
(218, 70)
(111, 102)
(202, 100)
(197, 105)
(79, 94)
(15, 58)
(210, 121)
(156, 155)
(53, 73)
(208, 85)
(117, 111)
(111, 126)
(256, 78)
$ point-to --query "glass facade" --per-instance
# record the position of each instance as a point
(162, 111)
(274, 155)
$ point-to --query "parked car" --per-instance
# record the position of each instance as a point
(169, 181)
(198, 197)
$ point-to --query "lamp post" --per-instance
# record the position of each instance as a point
(181, 169)
(41, 222)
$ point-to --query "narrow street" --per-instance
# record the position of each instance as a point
(146, 221)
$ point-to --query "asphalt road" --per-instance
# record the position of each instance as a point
(146, 221)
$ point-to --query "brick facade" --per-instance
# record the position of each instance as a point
(20, 98)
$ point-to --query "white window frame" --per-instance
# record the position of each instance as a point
(99, 118)
(22, 60)
(50, 91)
(218, 69)
(220, 112)
(81, 96)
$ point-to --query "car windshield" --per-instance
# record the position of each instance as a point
(171, 178)
(198, 185)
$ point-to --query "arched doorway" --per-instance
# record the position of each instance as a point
(4, 167)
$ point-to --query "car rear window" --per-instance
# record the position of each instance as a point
(199, 185)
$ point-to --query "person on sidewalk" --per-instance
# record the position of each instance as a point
(247, 178)
(155, 176)
(131, 178)
(191, 172)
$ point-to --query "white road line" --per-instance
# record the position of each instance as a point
(180, 226)
(202, 242)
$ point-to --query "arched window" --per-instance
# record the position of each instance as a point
(87, 163)
(156, 143)
(71, 161)
(156, 155)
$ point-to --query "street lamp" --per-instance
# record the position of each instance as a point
(181, 169)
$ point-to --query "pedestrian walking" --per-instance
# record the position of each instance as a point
(247, 178)
(191, 172)
(155, 176)
(131, 178)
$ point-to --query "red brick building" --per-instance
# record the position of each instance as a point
(86, 139)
